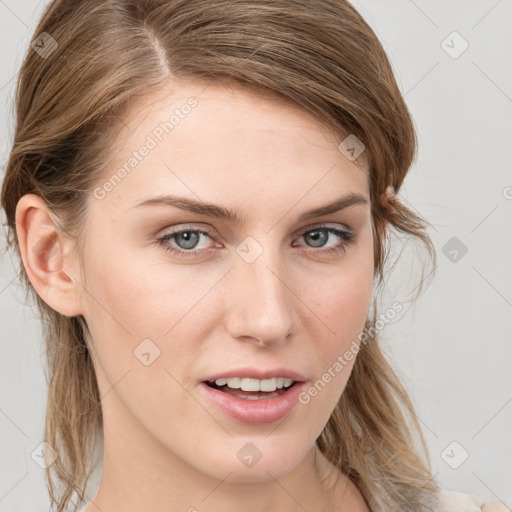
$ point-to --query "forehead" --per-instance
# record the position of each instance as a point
(205, 140)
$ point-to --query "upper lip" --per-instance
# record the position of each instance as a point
(253, 373)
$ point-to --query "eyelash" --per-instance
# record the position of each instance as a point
(347, 238)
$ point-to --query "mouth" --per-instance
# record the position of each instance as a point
(253, 401)
(250, 392)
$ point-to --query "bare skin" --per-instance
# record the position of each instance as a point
(296, 305)
(495, 507)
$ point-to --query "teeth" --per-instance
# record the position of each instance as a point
(246, 384)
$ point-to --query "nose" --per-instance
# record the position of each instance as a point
(260, 302)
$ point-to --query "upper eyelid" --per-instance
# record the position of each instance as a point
(325, 225)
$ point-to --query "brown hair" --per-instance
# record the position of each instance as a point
(322, 56)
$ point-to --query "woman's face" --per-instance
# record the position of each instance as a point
(272, 290)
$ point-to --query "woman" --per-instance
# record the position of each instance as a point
(200, 194)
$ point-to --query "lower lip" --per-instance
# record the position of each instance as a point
(265, 410)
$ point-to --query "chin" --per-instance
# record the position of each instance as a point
(256, 461)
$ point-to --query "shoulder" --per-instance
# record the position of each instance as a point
(495, 507)
(454, 501)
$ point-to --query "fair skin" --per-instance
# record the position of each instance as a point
(166, 447)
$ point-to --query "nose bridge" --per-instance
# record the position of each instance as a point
(261, 304)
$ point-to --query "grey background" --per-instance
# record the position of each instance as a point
(453, 348)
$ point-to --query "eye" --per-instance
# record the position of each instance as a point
(320, 235)
(186, 239)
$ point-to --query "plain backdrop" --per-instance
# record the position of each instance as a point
(452, 349)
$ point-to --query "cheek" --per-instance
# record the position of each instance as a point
(344, 297)
(137, 293)
(131, 307)
(138, 312)
(343, 301)
(348, 308)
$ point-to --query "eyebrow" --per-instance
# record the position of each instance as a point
(220, 212)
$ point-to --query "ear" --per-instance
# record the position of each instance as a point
(46, 252)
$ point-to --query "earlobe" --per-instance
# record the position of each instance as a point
(44, 249)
